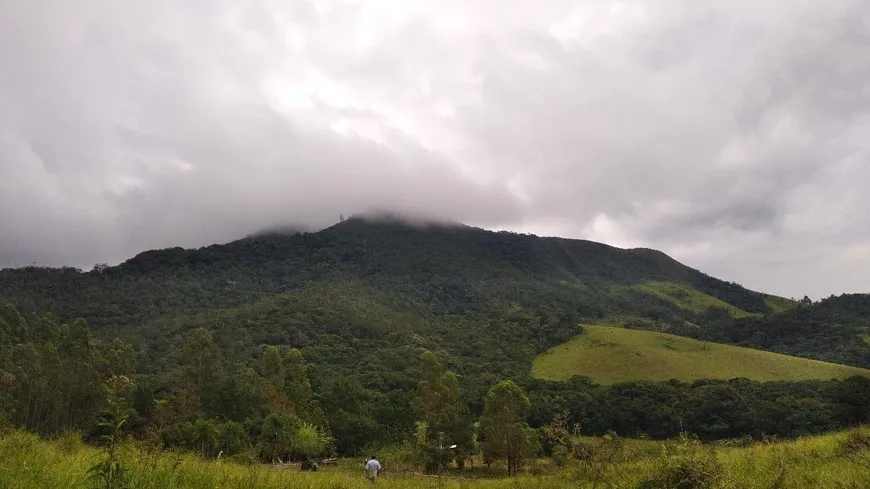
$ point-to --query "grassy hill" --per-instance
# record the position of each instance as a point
(688, 298)
(611, 354)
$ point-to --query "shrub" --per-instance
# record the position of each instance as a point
(856, 440)
(583, 450)
(686, 465)
(309, 441)
(560, 455)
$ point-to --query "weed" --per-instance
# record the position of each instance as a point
(687, 465)
(856, 440)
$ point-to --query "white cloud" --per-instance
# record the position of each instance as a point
(730, 134)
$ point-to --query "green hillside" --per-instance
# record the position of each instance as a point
(688, 298)
(329, 328)
(834, 330)
(611, 354)
(453, 268)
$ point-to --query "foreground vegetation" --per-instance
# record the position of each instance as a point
(837, 461)
(610, 355)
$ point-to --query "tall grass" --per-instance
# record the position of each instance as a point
(838, 461)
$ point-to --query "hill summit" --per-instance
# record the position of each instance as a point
(389, 252)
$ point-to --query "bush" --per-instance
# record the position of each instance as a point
(560, 454)
(583, 450)
(856, 441)
(70, 442)
(686, 466)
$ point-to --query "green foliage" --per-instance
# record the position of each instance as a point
(309, 441)
(26, 462)
(328, 328)
(109, 472)
(558, 440)
(53, 373)
(712, 409)
(686, 465)
(506, 433)
(687, 297)
(276, 437)
(443, 415)
(832, 330)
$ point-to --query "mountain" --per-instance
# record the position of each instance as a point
(391, 275)
(361, 300)
(442, 264)
(446, 285)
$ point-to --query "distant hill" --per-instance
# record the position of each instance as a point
(610, 355)
(369, 293)
(836, 329)
(449, 265)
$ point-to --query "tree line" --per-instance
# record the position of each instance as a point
(57, 377)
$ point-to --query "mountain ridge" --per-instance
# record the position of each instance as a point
(361, 301)
(359, 245)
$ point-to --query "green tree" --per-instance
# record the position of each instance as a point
(298, 387)
(206, 436)
(202, 362)
(231, 438)
(309, 441)
(276, 437)
(507, 435)
(440, 407)
(272, 366)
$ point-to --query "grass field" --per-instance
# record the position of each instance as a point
(687, 298)
(823, 462)
(779, 304)
(611, 354)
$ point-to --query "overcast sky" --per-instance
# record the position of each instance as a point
(734, 136)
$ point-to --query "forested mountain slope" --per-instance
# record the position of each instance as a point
(356, 304)
(452, 267)
(836, 329)
(488, 301)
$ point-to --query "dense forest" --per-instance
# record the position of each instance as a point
(378, 332)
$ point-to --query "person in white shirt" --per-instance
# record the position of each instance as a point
(373, 468)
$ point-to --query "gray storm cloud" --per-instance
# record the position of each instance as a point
(731, 135)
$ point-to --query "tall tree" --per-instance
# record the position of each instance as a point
(299, 386)
(439, 405)
(53, 373)
(507, 434)
(275, 382)
(202, 362)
